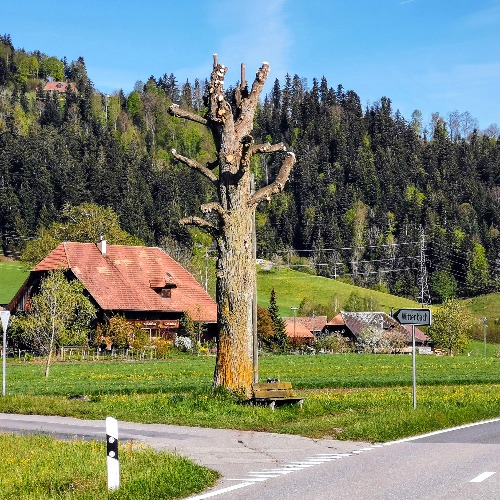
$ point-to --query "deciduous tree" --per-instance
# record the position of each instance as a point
(230, 120)
(452, 327)
(59, 315)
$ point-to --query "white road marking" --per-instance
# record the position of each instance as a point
(220, 492)
(442, 431)
(481, 477)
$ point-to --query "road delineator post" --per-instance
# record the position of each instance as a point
(113, 465)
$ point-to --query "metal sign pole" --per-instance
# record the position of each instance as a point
(414, 366)
(4, 316)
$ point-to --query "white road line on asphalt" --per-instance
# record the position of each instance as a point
(481, 477)
(247, 479)
(279, 471)
(265, 474)
(220, 492)
(333, 455)
(442, 431)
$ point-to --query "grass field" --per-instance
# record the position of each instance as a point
(352, 396)
(77, 469)
(12, 276)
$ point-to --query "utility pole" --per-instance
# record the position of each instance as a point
(294, 309)
(255, 342)
(485, 322)
(425, 296)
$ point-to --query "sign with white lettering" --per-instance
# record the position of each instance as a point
(414, 316)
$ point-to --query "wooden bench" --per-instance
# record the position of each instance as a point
(275, 394)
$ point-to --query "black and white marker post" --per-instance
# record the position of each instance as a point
(112, 453)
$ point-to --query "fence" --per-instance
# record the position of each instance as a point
(69, 353)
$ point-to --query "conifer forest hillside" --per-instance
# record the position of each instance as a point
(375, 198)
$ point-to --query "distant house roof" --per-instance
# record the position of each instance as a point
(312, 323)
(60, 87)
(357, 321)
(128, 278)
(297, 330)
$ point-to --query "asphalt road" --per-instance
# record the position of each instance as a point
(461, 463)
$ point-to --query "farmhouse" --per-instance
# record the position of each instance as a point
(297, 332)
(143, 284)
(351, 324)
(59, 87)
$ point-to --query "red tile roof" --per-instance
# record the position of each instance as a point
(312, 323)
(59, 87)
(125, 277)
(298, 330)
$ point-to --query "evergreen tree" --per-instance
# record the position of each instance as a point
(278, 322)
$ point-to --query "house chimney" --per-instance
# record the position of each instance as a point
(102, 245)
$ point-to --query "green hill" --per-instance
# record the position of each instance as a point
(12, 276)
(293, 286)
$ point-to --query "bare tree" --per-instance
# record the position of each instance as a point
(231, 226)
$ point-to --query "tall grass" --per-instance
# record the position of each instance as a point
(40, 467)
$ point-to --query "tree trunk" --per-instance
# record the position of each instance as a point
(231, 124)
(51, 348)
(235, 287)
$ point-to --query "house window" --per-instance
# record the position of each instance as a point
(166, 293)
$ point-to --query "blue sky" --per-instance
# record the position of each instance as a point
(431, 55)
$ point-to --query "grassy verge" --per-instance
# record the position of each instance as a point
(360, 397)
(77, 469)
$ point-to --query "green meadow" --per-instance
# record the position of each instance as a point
(348, 396)
(77, 469)
(12, 276)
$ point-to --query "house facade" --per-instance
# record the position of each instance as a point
(351, 324)
(143, 284)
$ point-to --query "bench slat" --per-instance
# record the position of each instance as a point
(272, 385)
(273, 393)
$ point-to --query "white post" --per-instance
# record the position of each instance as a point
(5, 315)
(414, 366)
(112, 453)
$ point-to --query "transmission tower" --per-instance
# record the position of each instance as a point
(425, 296)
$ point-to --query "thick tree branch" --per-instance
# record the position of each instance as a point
(175, 110)
(213, 206)
(244, 123)
(201, 223)
(249, 149)
(278, 184)
(195, 165)
(267, 148)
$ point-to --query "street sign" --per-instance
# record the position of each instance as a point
(5, 315)
(414, 316)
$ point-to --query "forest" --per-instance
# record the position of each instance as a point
(374, 199)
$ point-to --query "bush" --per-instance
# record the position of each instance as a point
(184, 344)
(335, 343)
(163, 347)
